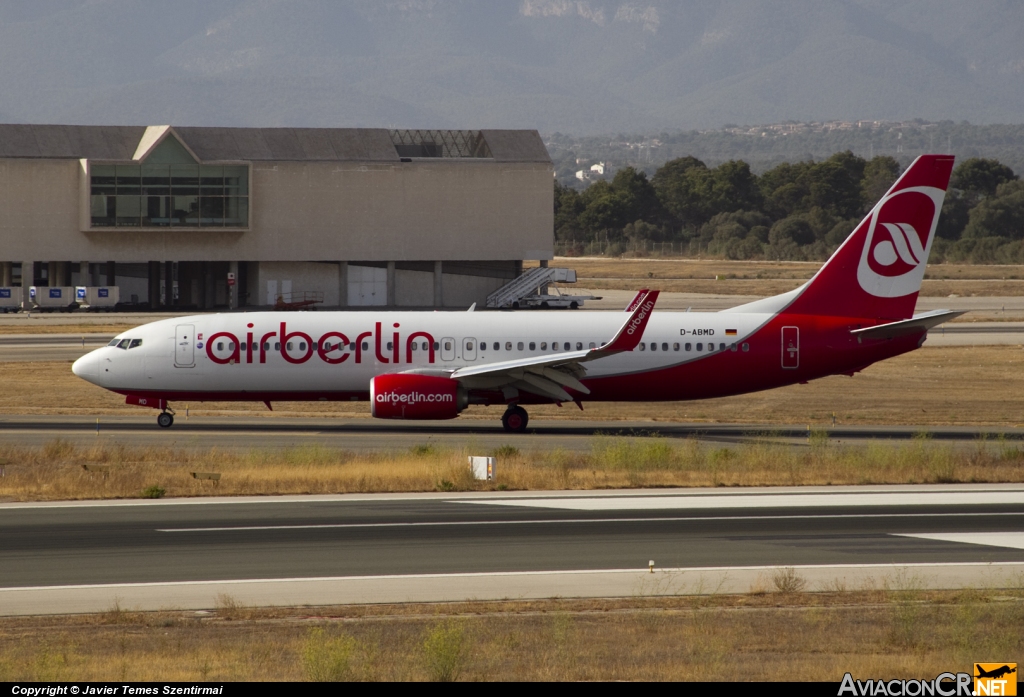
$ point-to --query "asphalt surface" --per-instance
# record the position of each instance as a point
(61, 549)
(450, 535)
(482, 434)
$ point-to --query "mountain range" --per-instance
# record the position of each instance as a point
(578, 66)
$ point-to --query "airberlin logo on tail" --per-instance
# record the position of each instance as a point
(899, 237)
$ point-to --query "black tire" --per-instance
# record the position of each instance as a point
(515, 420)
(515, 305)
(574, 305)
(545, 305)
(164, 420)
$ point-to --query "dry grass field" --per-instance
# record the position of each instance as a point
(60, 470)
(932, 386)
(763, 278)
(776, 633)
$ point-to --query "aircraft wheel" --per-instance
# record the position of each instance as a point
(164, 420)
(515, 420)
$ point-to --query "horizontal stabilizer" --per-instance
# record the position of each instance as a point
(908, 326)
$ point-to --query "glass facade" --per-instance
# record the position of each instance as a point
(170, 195)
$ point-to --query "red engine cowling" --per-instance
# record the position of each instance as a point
(410, 396)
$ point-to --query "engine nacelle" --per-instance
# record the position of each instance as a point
(411, 396)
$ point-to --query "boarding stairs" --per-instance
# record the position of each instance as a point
(528, 289)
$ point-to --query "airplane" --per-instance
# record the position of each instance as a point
(856, 310)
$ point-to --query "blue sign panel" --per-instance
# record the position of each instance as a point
(80, 293)
(5, 292)
(104, 292)
(55, 293)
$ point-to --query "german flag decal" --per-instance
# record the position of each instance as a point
(730, 332)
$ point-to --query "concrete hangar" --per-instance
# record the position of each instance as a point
(348, 216)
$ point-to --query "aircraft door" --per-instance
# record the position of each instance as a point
(184, 346)
(469, 349)
(790, 347)
(447, 349)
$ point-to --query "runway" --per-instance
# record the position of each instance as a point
(484, 435)
(81, 556)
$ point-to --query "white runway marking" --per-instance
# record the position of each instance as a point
(1013, 540)
(650, 503)
(331, 526)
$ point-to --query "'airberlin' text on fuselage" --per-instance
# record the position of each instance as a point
(299, 347)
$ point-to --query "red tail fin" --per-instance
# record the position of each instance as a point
(877, 272)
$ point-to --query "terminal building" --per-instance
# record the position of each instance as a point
(208, 218)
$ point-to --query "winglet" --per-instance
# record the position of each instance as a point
(637, 298)
(632, 331)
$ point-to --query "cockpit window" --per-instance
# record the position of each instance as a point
(135, 342)
(124, 344)
(114, 342)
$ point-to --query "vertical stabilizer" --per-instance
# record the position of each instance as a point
(877, 271)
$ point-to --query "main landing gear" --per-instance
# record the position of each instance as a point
(515, 419)
(165, 419)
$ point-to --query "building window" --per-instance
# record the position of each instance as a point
(173, 195)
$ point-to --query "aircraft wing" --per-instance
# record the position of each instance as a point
(907, 326)
(550, 374)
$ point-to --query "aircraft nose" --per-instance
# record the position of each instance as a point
(86, 366)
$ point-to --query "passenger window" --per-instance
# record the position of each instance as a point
(654, 346)
(700, 346)
(579, 345)
(732, 347)
(675, 347)
(642, 346)
(721, 347)
(288, 346)
(266, 346)
(220, 345)
(593, 345)
(508, 345)
(687, 347)
(436, 345)
(711, 346)
(519, 346)
(277, 345)
(447, 346)
(497, 346)
(533, 346)
(390, 345)
(366, 345)
(543, 346)
(664, 347)
(746, 347)
(426, 346)
(469, 345)
(414, 345)
(135, 342)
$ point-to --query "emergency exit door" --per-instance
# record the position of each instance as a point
(790, 347)
(184, 346)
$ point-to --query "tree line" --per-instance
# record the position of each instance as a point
(794, 211)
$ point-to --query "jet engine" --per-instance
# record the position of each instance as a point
(412, 396)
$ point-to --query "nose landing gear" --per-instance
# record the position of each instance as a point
(515, 419)
(165, 419)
